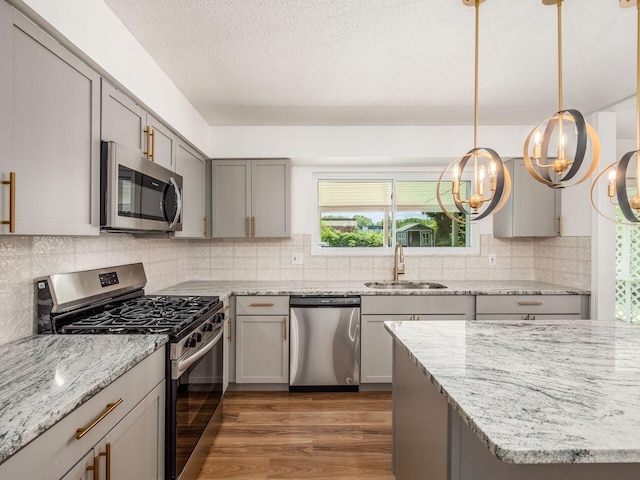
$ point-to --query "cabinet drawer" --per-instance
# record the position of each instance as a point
(262, 305)
(529, 304)
(417, 304)
(529, 316)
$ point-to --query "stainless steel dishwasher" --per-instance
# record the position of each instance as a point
(324, 349)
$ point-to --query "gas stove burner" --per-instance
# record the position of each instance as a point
(146, 314)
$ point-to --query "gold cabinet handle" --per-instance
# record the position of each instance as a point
(261, 304)
(253, 226)
(530, 304)
(230, 329)
(148, 139)
(81, 432)
(95, 468)
(107, 453)
(284, 327)
(206, 226)
(532, 317)
(153, 144)
(248, 227)
(12, 202)
(525, 317)
(226, 309)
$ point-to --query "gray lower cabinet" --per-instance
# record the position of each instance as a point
(190, 165)
(532, 209)
(126, 439)
(262, 339)
(532, 307)
(49, 134)
(376, 352)
(128, 124)
(251, 197)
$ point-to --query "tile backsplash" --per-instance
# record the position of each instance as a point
(565, 261)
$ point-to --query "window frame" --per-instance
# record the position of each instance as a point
(429, 175)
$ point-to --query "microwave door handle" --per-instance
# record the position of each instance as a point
(179, 203)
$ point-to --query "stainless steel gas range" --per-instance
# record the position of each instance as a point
(112, 301)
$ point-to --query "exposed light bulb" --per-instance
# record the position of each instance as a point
(612, 176)
(456, 173)
(537, 139)
(492, 169)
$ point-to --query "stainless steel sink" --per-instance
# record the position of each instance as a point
(401, 285)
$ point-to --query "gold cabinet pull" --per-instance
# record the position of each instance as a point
(253, 226)
(12, 202)
(153, 144)
(206, 226)
(284, 327)
(150, 142)
(530, 304)
(107, 453)
(95, 468)
(230, 329)
(226, 309)
(261, 304)
(533, 317)
(81, 432)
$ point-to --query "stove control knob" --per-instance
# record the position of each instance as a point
(218, 317)
(197, 336)
(190, 343)
(207, 327)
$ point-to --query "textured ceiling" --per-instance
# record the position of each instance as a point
(385, 62)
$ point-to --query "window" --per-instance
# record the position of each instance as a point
(627, 273)
(374, 213)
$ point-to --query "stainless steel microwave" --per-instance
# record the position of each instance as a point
(137, 195)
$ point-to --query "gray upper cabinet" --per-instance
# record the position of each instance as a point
(128, 124)
(190, 165)
(532, 209)
(49, 134)
(251, 197)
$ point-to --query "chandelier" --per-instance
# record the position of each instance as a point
(622, 182)
(561, 170)
(491, 182)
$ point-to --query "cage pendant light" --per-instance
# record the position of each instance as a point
(623, 187)
(559, 169)
(489, 174)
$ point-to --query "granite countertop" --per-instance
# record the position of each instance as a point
(537, 392)
(224, 289)
(45, 377)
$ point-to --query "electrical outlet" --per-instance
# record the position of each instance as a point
(492, 259)
(297, 258)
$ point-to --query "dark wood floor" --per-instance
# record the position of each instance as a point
(332, 436)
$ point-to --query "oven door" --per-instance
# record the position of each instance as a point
(137, 194)
(195, 406)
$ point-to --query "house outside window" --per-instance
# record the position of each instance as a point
(367, 215)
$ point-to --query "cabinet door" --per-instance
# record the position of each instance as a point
(54, 144)
(532, 209)
(376, 350)
(230, 198)
(271, 197)
(123, 121)
(135, 446)
(163, 143)
(190, 166)
(262, 349)
(84, 469)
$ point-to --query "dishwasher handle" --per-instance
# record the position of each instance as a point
(326, 301)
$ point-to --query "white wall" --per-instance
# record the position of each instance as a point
(93, 28)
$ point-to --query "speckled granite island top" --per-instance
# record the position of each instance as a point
(488, 287)
(43, 378)
(537, 392)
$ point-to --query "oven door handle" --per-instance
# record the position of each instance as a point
(184, 364)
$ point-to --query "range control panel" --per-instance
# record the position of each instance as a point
(108, 279)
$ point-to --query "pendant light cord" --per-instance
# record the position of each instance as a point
(638, 87)
(475, 105)
(560, 72)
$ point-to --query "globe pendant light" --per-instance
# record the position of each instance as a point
(560, 172)
(488, 169)
(618, 189)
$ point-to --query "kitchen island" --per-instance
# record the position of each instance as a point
(516, 400)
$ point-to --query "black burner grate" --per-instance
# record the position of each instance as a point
(147, 314)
